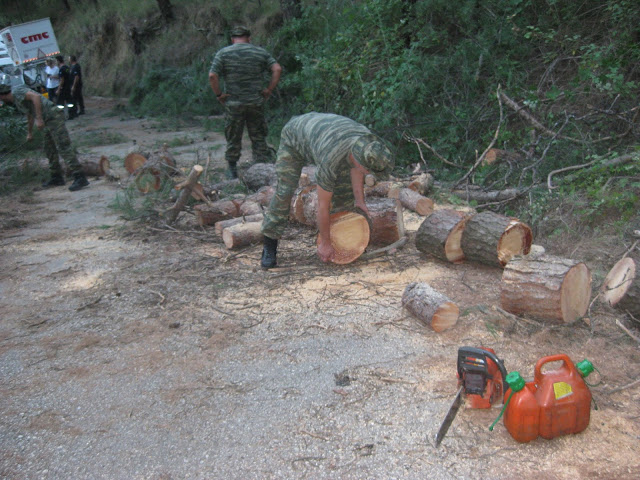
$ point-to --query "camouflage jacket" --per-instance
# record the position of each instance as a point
(243, 67)
(26, 107)
(326, 139)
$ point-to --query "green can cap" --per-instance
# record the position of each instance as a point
(515, 381)
(585, 367)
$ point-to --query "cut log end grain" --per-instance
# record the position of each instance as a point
(440, 235)
(429, 306)
(576, 293)
(242, 234)
(134, 161)
(618, 281)
(148, 181)
(516, 240)
(349, 233)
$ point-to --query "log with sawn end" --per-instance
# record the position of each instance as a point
(431, 307)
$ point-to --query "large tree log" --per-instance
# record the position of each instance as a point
(216, 211)
(222, 224)
(414, 201)
(429, 306)
(242, 234)
(494, 239)
(546, 287)
(621, 288)
(440, 234)
(263, 196)
(387, 222)
(349, 234)
(172, 213)
(259, 175)
(135, 159)
(94, 167)
(249, 207)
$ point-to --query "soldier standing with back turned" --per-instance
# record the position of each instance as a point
(242, 66)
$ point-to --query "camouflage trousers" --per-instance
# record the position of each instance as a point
(57, 142)
(235, 118)
(288, 169)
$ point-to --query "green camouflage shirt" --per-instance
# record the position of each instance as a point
(326, 139)
(243, 68)
(25, 106)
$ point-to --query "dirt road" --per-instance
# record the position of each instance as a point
(132, 351)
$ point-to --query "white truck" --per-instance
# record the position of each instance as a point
(24, 49)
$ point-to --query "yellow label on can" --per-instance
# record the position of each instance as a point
(562, 389)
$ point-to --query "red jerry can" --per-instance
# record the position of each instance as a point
(522, 413)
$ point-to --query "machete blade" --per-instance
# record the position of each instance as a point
(451, 414)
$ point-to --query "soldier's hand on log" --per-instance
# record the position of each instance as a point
(325, 251)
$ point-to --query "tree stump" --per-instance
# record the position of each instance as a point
(431, 307)
(620, 288)
(387, 222)
(546, 287)
(494, 239)
(440, 233)
(242, 234)
(414, 201)
(349, 234)
(222, 224)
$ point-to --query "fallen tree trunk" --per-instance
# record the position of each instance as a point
(440, 234)
(171, 214)
(494, 239)
(242, 234)
(387, 222)
(620, 288)
(222, 224)
(349, 234)
(482, 196)
(546, 287)
(431, 307)
(414, 201)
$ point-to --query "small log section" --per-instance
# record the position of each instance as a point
(304, 205)
(222, 224)
(242, 235)
(431, 307)
(414, 201)
(349, 233)
(387, 222)
(495, 155)
(620, 288)
(216, 211)
(93, 167)
(494, 239)
(384, 189)
(422, 183)
(171, 214)
(546, 287)
(440, 233)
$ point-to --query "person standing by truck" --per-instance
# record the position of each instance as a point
(75, 78)
(52, 79)
(46, 117)
(64, 89)
(242, 66)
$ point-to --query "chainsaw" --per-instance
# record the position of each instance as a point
(481, 378)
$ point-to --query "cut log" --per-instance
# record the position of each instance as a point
(495, 155)
(148, 180)
(259, 175)
(263, 196)
(216, 211)
(422, 184)
(387, 222)
(494, 239)
(620, 288)
(349, 233)
(546, 287)
(414, 201)
(483, 196)
(222, 224)
(431, 307)
(384, 189)
(440, 234)
(249, 207)
(304, 205)
(172, 213)
(94, 167)
(369, 180)
(242, 234)
(134, 160)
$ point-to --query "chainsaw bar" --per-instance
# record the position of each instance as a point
(451, 414)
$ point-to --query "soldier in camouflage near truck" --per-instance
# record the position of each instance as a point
(49, 118)
(242, 66)
(344, 152)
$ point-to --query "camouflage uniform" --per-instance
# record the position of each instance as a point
(243, 67)
(56, 136)
(326, 139)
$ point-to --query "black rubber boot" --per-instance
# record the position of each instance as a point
(269, 253)
(79, 182)
(233, 171)
(54, 181)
